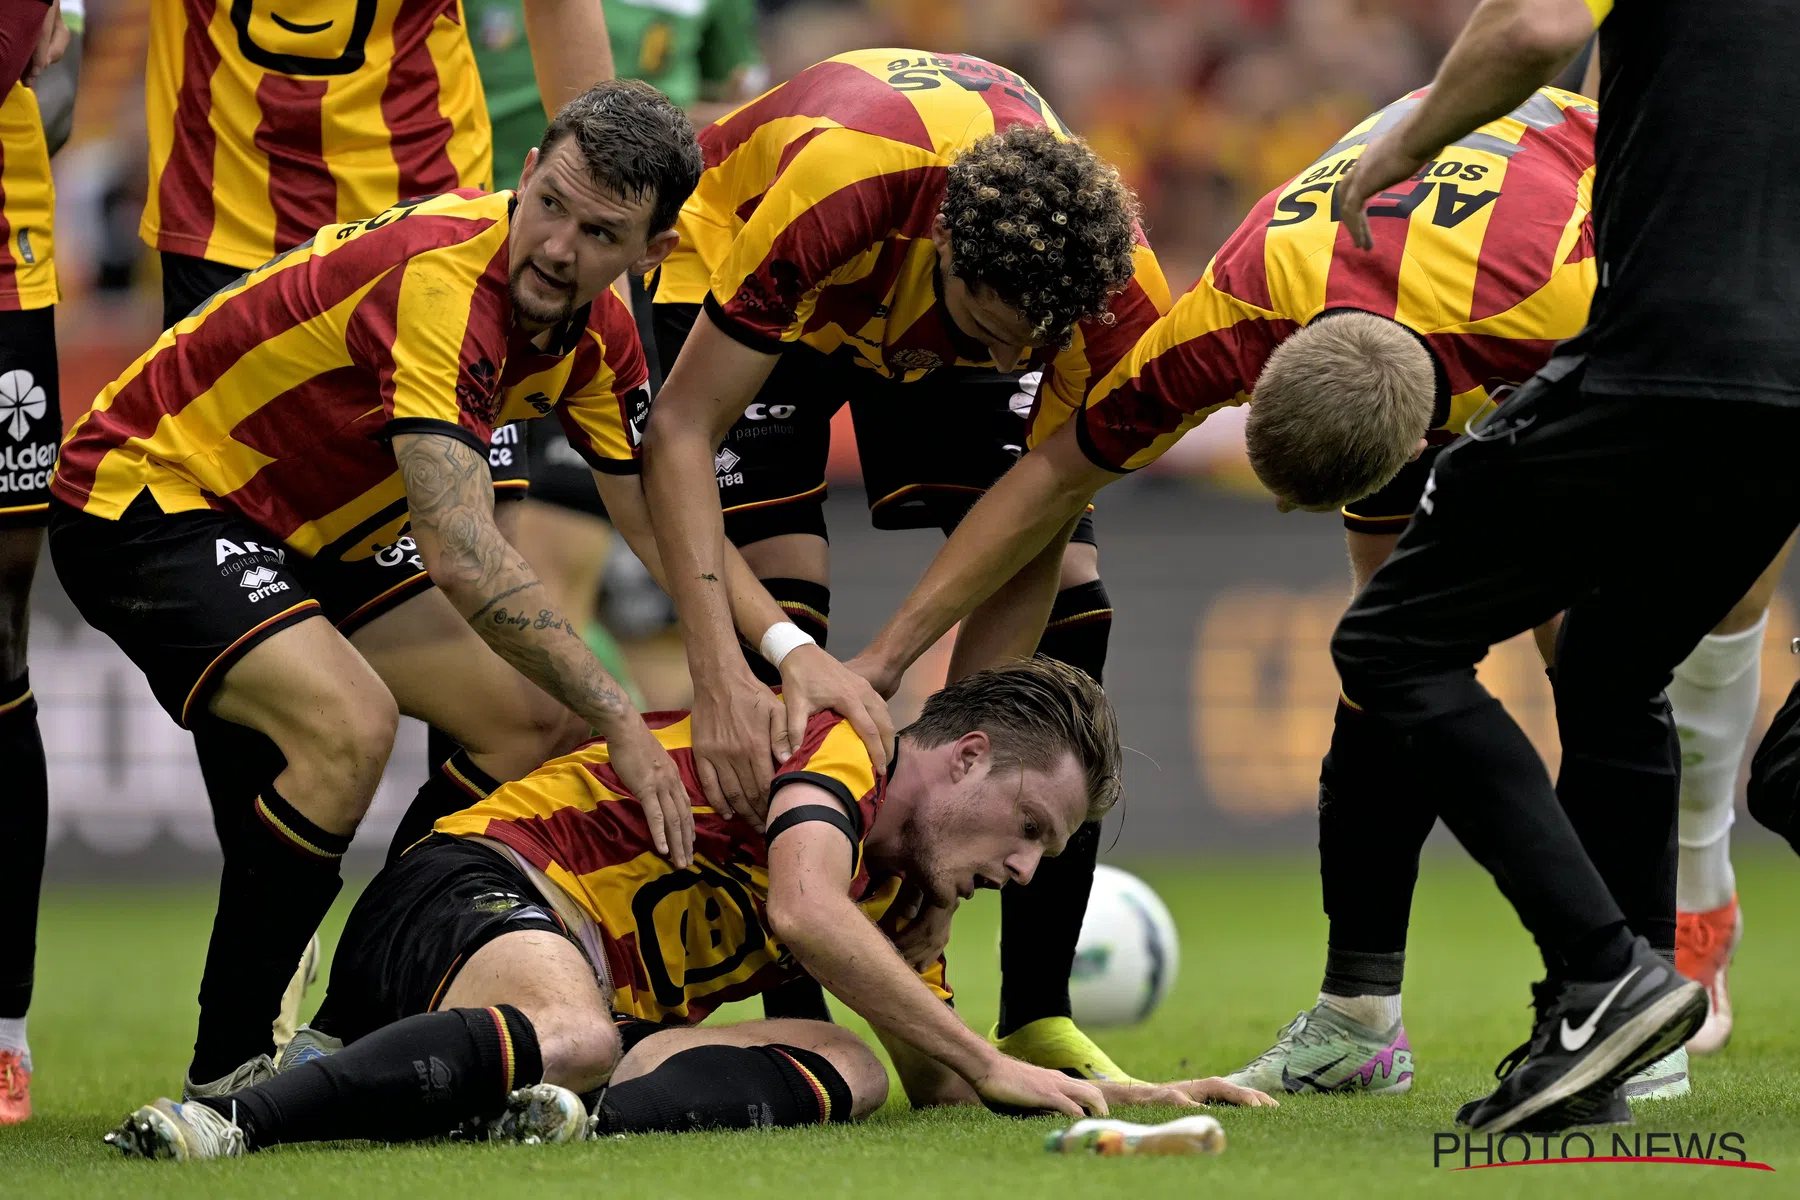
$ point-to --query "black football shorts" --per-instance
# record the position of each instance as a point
(929, 449)
(187, 594)
(416, 924)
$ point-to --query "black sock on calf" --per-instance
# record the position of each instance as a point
(1363, 972)
(1040, 923)
(799, 999)
(420, 1077)
(728, 1087)
(807, 604)
(1079, 628)
(273, 893)
(25, 811)
(453, 786)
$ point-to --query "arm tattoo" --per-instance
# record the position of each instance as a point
(451, 496)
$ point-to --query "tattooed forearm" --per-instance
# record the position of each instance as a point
(511, 591)
(451, 496)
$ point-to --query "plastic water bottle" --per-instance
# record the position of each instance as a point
(1108, 1138)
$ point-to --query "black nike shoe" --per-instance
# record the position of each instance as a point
(1572, 1069)
(1613, 1110)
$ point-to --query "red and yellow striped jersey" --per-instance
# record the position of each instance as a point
(812, 221)
(678, 943)
(1487, 254)
(269, 120)
(27, 204)
(277, 397)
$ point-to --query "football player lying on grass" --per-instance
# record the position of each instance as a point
(533, 958)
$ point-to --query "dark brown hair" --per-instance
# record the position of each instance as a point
(1033, 712)
(1043, 222)
(634, 142)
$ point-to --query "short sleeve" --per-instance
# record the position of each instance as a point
(1203, 356)
(607, 400)
(839, 194)
(438, 341)
(1099, 346)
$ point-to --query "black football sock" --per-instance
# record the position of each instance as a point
(1505, 813)
(273, 893)
(1079, 628)
(728, 1087)
(25, 812)
(1373, 821)
(1040, 922)
(807, 604)
(417, 1078)
(453, 786)
(800, 999)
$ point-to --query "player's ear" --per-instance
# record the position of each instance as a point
(659, 247)
(970, 751)
(1417, 450)
(525, 172)
(940, 237)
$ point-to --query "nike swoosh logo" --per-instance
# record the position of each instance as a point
(1574, 1039)
(1295, 1083)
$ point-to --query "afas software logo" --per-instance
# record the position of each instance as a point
(1464, 1151)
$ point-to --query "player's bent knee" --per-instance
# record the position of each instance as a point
(580, 1048)
(862, 1072)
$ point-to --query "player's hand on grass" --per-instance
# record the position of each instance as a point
(1187, 1094)
(1385, 163)
(739, 730)
(813, 681)
(1008, 1083)
(646, 769)
(922, 939)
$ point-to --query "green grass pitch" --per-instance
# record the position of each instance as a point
(118, 970)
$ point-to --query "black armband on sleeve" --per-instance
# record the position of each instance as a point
(815, 812)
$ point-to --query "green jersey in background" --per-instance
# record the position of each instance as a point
(683, 47)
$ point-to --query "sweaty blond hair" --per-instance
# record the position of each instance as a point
(1339, 408)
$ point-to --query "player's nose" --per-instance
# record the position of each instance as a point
(1021, 865)
(1006, 358)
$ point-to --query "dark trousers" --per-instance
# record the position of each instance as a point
(1643, 520)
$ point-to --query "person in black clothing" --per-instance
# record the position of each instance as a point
(1689, 371)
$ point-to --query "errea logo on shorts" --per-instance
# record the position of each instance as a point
(724, 467)
(261, 583)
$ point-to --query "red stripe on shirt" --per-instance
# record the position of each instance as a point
(189, 367)
(419, 133)
(1241, 267)
(849, 95)
(1188, 377)
(324, 436)
(833, 231)
(1518, 252)
(292, 135)
(1370, 280)
(186, 186)
(1483, 360)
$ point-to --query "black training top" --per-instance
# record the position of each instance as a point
(1697, 201)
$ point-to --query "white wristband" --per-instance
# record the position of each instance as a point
(781, 640)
